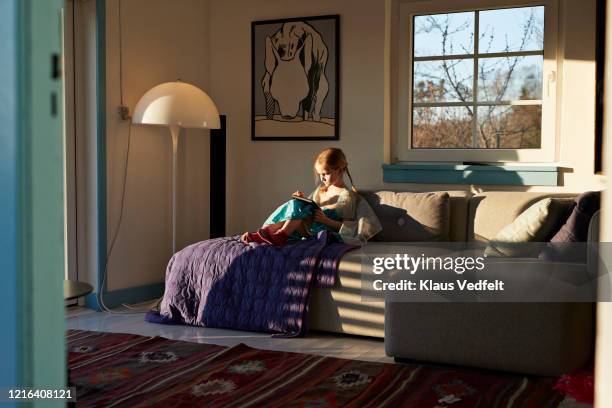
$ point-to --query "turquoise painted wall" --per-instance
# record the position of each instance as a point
(31, 203)
(9, 199)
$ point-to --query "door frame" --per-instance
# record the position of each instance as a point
(32, 203)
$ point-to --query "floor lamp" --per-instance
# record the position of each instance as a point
(177, 105)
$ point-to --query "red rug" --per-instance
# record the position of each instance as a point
(125, 370)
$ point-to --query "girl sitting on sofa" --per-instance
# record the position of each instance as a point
(297, 219)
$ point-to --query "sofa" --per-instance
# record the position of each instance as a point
(535, 338)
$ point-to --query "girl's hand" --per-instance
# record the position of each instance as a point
(298, 193)
(319, 216)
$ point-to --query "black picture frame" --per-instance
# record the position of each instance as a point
(276, 52)
(600, 56)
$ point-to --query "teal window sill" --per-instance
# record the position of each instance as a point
(483, 174)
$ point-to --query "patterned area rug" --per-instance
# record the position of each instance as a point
(126, 370)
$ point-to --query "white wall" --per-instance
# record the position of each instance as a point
(85, 145)
(264, 173)
(577, 110)
(603, 348)
(208, 43)
(162, 41)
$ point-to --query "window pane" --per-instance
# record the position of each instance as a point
(516, 29)
(448, 81)
(509, 127)
(444, 34)
(511, 78)
(442, 127)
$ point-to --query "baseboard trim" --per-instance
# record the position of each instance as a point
(128, 295)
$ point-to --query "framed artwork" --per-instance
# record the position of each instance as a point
(294, 78)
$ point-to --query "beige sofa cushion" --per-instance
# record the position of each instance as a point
(408, 216)
(491, 211)
(459, 204)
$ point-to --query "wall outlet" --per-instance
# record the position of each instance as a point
(124, 113)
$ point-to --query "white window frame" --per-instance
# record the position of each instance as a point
(402, 146)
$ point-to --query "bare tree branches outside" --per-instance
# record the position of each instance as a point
(477, 79)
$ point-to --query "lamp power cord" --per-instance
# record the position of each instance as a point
(124, 114)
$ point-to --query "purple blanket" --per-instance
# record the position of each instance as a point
(223, 283)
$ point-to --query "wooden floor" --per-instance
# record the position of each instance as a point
(326, 344)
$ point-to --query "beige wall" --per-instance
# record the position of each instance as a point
(162, 41)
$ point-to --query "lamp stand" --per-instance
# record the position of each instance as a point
(175, 131)
(217, 180)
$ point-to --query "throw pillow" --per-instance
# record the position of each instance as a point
(364, 227)
(535, 224)
(575, 229)
(414, 217)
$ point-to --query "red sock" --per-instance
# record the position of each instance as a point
(255, 237)
(265, 235)
(279, 238)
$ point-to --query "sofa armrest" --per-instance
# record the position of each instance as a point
(531, 279)
(593, 247)
(593, 235)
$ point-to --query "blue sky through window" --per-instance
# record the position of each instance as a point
(495, 120)
(501, 30)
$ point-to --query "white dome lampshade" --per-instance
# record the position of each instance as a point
(176, 104)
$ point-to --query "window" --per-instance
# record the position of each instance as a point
(481, 83)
